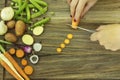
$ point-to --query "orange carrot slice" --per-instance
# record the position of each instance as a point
(75, 24)
(28, 70)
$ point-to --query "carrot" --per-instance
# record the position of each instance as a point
(28, 70)
(67, 41)
(15, 64)
(12, 51)
(24, 62)
(20, 53)
(59, 50)
(8, 62)
(62, 45)
(70, 36)
(9, 69)
(75, 24)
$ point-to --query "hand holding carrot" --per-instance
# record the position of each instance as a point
(78, 8)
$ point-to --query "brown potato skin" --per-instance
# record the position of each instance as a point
(20, 28)
(10, 37)
(11, 24)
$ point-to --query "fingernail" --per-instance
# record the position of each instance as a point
(70, 15)
(74, 20)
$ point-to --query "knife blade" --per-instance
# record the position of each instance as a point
(84, 29)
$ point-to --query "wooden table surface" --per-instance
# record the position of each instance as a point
(81, 59)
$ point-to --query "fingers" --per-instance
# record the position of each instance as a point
(87, 7)
(69, 1)
(73, 5)
(79, 9)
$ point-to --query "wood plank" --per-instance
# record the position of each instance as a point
(95, 66)
(81, 59)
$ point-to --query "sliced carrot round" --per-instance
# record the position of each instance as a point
(62, 45)
(69, 36)
(24, 62)
(75, 24)
(20, 53)
(28, 70)
(12, 51)
(59, 50)
(66, 41)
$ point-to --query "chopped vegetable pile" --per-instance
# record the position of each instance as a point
(14, 23)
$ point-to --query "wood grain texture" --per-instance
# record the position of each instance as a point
(81, 59)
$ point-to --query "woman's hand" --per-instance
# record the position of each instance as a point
(108, 36)
(79, 7)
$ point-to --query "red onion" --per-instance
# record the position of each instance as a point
(27, 49)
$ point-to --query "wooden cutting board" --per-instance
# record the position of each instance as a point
(81, 59)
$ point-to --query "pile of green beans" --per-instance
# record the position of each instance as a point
(24, 10)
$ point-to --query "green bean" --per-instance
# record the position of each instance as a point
(23, 14)
(23, 19)
(42, 3)
(5, 42)
(31, 5)
(28, 12)
(37, 5)
(39, 13)
(19, 3)
(41, 22)
(22, 7)
(36, 14)
(15, 1)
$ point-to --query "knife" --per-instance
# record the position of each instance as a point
(84, 29)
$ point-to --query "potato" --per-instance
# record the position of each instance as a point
(11, 24)
(20, 28)
(10, 37)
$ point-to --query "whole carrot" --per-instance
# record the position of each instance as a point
(15, 64)
(9, 69)
(5, 59)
